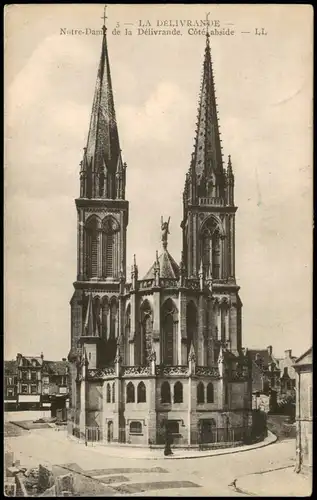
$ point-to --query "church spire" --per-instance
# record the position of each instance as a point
(207, 158)
(102, 172)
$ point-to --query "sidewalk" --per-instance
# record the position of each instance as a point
(281, 482)
(158, 454)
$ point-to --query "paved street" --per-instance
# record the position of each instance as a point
(100, 475)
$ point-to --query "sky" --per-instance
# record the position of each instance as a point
(264, 94)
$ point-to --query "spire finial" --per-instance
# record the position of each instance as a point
(104, 17)
(207, 27)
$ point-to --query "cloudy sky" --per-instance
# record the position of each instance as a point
(264, 92)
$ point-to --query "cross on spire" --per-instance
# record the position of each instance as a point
(104, 17)
(207, 25)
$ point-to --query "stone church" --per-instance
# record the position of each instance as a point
(160, 353)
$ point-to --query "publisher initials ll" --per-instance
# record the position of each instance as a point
(260, 31)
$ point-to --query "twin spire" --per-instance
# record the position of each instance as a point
(103, 173)
(207, 177)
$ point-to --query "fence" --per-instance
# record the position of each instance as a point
(90, 435)
(210, 438)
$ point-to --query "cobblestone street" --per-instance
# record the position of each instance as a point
(97, 474)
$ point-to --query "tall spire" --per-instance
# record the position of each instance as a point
(207, 158)
(102, 168)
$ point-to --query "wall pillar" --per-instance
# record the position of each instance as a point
(201, 328)
(219, 321)
(157, 325)
(81, 249)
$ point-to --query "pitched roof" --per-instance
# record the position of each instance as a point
(11, 367)
(168, 267)
(305, 359)
(29, 360)
(263, 354)
(55, 367)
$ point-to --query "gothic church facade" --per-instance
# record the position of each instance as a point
(162, 352)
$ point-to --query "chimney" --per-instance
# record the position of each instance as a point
(269, 350)
(288, 353)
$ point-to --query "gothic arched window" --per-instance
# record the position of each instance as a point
(210, 248)
(108, 393)
(178, 392)
(210, 393)
(145, 334)
(200, 393)
(191, 326)
(127, 330)
(96, 316)
(141, 392)
(104, 317)
(92, 244)
(113, 393)
(165, 393)
(113, 318)
(130, 393)
(169, 317)
(108, 247)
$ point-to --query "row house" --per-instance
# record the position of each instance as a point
(272, 377)
(31, 382)
(10, 384)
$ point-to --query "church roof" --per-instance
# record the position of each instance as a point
(168, 267)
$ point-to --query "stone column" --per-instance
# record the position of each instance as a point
(195, 249)
(219, 321)
(233, 246)
(201, 328)
(190, 245)
(222, 257)
(81, 248)
(133, 328)
(233, 328)
(151, 398)
(227, 317)
(117, 382)
(157, 324)
(82, 414)
(99, 253)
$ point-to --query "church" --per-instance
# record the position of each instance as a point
(160, 353)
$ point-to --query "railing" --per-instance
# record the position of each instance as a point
(135, 370)
(89, 435)
(171, 370)
(145, 284)
(169, 282)
(101, 373)
(223, 436)
(207, 371)
(211, 201)
(193, 284)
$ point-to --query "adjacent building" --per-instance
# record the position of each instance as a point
(10, 384)
(272, 377)
(55, 387)
(31, 382)
(161, 353)
(303, 367)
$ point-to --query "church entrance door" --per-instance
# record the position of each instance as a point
(207, 430)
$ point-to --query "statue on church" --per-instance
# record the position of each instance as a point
(165, 231)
